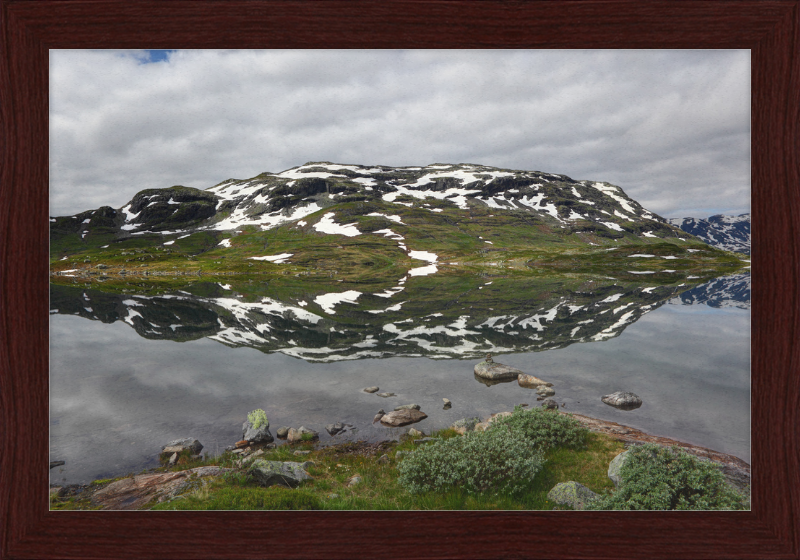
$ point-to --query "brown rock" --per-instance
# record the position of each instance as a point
(531, 382)
(402, 417)
(242, 443)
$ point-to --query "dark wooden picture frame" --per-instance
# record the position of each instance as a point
(770, 29)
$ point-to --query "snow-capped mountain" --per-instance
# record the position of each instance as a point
(272, 199)
(731, 233)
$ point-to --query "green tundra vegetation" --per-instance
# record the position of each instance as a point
(510, 466)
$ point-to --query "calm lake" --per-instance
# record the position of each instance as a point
(130, 372)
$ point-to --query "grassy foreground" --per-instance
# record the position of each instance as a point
(380, 489)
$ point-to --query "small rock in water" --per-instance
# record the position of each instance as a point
(378, 416)
(550, 403)
(447, 406)
(623, 400)
(413, 432)
(371, 389)
(543, 391)
(386, 395)
(54, 464)
(493, 371)
(532, 382)
(403, 417)
(282, 432)
(334, 429)
(297, 435)
(407, 407)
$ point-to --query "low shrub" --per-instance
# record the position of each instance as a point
(257, 418)
(657, 478)
(496, 459)
(544, 429)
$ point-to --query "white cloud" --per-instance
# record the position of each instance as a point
(670, 127)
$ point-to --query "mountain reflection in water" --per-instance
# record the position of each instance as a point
(120, 389)
(460, 319)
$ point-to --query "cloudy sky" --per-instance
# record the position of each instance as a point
(672, 128)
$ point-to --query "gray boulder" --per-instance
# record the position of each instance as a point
(284, 473)
(181, 446)
(256, 435)
(573, 494)
(465, 425)
(403, 417)
(493, 371)
(623, 400)
(297, 435)
(615, 466)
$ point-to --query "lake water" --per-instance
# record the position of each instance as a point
(130, 372)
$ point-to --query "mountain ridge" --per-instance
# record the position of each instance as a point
(731, 233)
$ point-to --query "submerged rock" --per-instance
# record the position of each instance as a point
(532, 382)
(371, 389)
(573, 494)
(403, 417)
(386, 395)
(543, 391)
(623, 400)
(407, 406)
(493, 371)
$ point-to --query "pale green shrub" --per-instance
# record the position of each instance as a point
(657, 478)
(257, 418)
(543, 428)
(478, 461)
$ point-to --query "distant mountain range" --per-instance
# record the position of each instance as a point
(731, 233)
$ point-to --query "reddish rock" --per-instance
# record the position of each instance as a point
(241, 443)
(138, 491)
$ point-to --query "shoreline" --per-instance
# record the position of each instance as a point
(736, 470)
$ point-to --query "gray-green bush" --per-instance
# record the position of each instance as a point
(498, 460)
(657, 478)
(543, 428)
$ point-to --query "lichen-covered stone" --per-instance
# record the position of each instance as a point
(256, 435)
(465, 425)
(573, 494)
(615, 466)
(284, 473)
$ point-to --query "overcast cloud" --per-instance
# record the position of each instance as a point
(672, 128)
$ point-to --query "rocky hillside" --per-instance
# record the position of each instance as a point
(731, 233)
(312, 194)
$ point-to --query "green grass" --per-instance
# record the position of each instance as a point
(380, 489)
